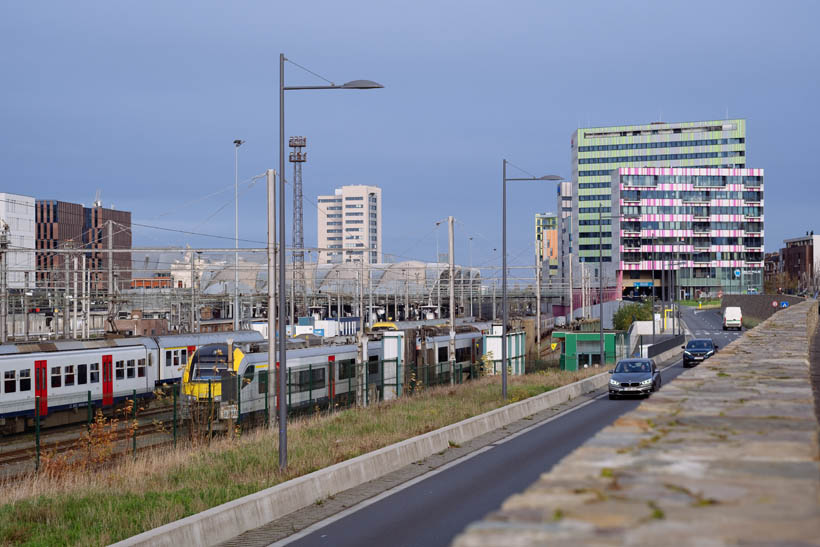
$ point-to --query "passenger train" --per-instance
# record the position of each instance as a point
(317, 376)
(63, 373)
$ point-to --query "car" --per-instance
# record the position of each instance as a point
(732, 318)
(634, 377)
(697, 350)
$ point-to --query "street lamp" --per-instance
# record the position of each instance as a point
(237, 143)
(283, 410)
(504, 181)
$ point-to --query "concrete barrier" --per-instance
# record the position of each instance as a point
(238, 516)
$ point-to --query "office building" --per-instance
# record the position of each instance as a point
(597, 151)
(62, 225)
(564, 201)
(705, 226)
(350, 225)
(17, 212)
(546, 243)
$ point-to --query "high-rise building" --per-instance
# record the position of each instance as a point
(63, 225)
(350, 225)
(17, 212)
(546, 242)
(697, 230)
(597, 151)
(564, 201)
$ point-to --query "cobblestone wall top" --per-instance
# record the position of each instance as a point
(725, 454)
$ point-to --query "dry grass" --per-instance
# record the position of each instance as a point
(100, 507)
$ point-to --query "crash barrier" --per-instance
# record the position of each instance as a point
(662, 347)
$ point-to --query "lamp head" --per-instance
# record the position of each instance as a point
(362, 84)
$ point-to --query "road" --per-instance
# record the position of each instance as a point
(434, 508)
(708, 324)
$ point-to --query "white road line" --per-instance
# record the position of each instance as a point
(387, 493)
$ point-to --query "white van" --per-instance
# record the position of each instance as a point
(732, 318)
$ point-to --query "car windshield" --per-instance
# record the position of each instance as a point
(699, 344)
(632, 366)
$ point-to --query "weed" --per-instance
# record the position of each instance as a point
(657, 512)
(454, 444)
(607, 472)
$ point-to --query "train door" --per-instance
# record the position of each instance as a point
(41, 385)
(107, 381)
(331, 372)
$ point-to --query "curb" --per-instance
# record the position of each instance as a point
(231, 519)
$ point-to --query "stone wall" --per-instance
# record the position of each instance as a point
(725, 454)
(758, 306)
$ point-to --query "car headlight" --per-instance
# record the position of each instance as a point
(646, 382)
(709, 353)
(614, 382)
(685, 352)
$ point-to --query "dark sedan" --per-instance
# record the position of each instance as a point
(698, 350)
(634, 377)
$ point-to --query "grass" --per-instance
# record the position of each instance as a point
(704, 304)
(102, 507)
(750, 322)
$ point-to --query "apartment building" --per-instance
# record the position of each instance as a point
(801, 259)
(597, 151)
(564, 201)
(17, 212)
(350, 225)
(61, 225)
(546, 242)
(703, 225)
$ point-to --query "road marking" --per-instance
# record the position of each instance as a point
(405, 485)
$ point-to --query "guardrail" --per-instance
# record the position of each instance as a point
(662, 347)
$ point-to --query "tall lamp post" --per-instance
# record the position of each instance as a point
(504, 181)
(237, 143)
(283, 411)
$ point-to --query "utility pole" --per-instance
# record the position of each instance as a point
(601, 279)
(4, 285)
(538, 306)
(111, 306)
(193, 294)
(84, 300)
(297, 278)
(271, 190)
(571, 295)
(237, 143)
(471, 277)
(25, 306)
(493, 300)
(74, 302)
(66, 319)
(450, 223)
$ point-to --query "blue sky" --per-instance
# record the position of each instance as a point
(142, 100)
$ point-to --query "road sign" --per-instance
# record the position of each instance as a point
(643, 284)
(737, 273)
(553, 346)
(774, 303)
(784, 304)
(319, 332)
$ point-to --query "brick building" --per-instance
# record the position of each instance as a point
(61, 225)
(801, 261)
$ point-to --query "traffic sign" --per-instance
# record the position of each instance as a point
(784, 304)
(774, 303)
(737, 273)
(554, 345)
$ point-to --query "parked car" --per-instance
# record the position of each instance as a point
(634, 377)
(698, 350)
(732, 318)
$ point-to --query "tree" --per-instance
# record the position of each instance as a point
(637, 311)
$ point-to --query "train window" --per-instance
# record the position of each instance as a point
(347, 368)
(120, 370)
(176, 358)
(69, 375)
(141, 368)
(132, 368)
(463, 355)
(56, 377)
(263, 381)
(247, 376)
(168, 358)
(442, 354)
(308, 380)
(82, 375)
(10, 382)
(183, 356)
(25, 379)
(373, 364)
(95, 373)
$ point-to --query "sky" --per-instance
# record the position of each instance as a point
(142, 101)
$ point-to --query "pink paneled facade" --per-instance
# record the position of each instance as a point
(697, 231)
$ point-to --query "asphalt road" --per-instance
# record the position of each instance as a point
(434, 508)
(708, 324)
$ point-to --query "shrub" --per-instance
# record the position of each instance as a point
(637, 311)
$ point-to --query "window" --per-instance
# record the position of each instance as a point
(442, 354)
(354, 198)
(119, 372)
(183, 356)
(347, 368)
(82, 375)
(95, 373)
(56, 377)
(10, 381)
(263, 382)
(168, 358)
(25, 379)
(132, 365)
(69, 375)
(141, 368)
(247, 376)
(176, 358)
(373, 364)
